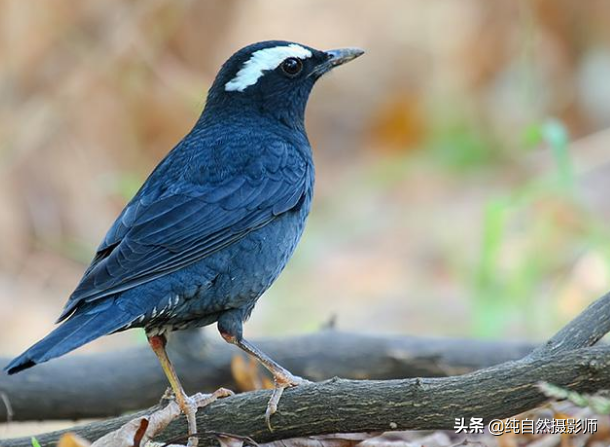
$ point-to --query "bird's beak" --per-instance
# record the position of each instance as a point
(343, 55)
(336, 58)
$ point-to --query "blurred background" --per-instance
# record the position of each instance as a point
(462, 164)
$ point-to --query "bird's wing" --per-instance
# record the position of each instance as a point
(152, 238)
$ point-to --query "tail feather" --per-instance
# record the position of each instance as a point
(73, 333)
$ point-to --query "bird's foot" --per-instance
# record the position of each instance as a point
(283, 380)
(190, 405)
(167, 396)
(144, 429)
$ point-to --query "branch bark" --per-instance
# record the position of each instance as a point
(104, 385)
(341, 405)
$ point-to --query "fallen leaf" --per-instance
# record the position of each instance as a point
(247, 374)
(72, 440)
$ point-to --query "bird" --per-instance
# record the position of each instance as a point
(214, 224)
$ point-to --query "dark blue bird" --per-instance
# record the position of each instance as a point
(216, 221)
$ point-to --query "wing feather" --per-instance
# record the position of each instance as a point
(157, 234)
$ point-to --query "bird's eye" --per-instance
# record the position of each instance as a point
(292, 66)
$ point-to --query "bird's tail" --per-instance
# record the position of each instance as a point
(81, 328)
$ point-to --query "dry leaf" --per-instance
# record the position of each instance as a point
(72, 440)
(247, 374)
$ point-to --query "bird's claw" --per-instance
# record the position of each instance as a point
(189, 408)
(288, 380)
(167, 396)
(221, 392)
(272, 405)
(190, 405)
(282, 381)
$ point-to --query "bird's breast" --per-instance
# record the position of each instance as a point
(232, 278)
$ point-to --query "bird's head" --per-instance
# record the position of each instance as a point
(272, 78)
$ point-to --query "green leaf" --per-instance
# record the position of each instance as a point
(35, 442)
(532, 135)
(599, 404)
(556, 136)
(494, 224)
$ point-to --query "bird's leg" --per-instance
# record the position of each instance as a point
(281, 376)
(230, 329)
(187, 406)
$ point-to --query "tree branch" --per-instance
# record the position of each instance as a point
(585, 330)
(103, 385)
(337, 405)
(343, 406)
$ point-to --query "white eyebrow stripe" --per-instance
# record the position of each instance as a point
(261, 61)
